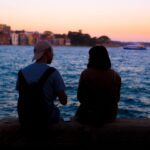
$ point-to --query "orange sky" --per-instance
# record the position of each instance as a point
(124, 20)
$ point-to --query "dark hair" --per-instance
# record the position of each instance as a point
(99, 58)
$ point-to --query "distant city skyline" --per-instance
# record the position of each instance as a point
(121, 20)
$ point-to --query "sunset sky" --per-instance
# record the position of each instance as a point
(124, 20)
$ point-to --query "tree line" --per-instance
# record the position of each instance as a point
(78, 38)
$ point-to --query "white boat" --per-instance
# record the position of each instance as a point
(135, 47)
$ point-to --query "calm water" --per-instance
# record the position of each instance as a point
(132, 65)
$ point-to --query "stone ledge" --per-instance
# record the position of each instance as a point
(71, 134)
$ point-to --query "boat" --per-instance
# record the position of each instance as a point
(135, 47)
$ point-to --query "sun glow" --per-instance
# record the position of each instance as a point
(123, 20)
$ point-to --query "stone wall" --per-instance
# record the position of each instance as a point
(71, 134)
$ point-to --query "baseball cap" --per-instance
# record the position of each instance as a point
(39, 49)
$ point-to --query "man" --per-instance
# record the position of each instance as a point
(37, 111)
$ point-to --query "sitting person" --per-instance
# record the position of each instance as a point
(39, 85)
(98, 89)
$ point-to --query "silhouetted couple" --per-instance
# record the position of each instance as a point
(39, 85)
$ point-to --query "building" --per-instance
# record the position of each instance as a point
(67, 42)
(4, 28)
(62, 39)
(14, 38)
(5, 39)
(23, 39)
(4, 34)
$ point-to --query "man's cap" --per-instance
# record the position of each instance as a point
(39, 49)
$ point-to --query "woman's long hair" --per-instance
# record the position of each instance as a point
(99, 58)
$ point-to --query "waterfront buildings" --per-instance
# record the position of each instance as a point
(21, 37)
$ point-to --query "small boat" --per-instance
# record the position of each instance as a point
(135, 47)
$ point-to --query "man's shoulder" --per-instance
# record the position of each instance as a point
(36, 67)
(33, 72)
(55, 72)
(50, 71)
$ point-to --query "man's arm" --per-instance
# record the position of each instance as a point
(62, 97)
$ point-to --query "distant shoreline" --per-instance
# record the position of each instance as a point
(111, 45)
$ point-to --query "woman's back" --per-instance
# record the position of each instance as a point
(99, 89)
(99, 86)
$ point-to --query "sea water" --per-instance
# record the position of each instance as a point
(132, 65)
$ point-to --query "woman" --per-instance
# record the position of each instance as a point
(98, 90)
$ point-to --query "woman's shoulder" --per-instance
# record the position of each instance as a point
(86, 72)
(116, 75)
